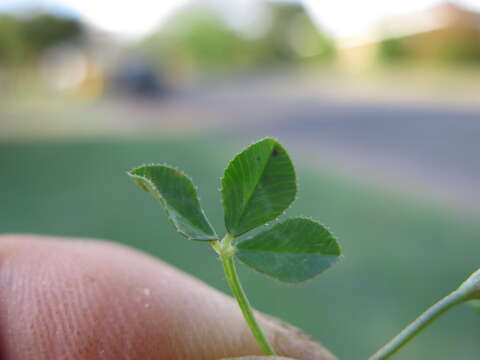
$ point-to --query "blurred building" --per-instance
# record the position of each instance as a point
(446, 33)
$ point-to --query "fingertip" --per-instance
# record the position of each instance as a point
(84, 299)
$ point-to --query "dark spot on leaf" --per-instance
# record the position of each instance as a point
(179, 173)
(258, 158)
(275, 152)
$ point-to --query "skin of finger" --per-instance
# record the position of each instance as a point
(83, 299)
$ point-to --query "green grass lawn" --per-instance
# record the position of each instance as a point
(399, 256)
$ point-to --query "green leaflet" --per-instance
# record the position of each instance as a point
(294, 250)
(178, 196)
(258, 185)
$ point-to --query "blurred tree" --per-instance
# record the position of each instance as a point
(41, 31)
(24, 39)
(293, 36)
(199, 38)
(11, 45)
(391, 51)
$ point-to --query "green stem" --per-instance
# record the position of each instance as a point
(226, 251)
(458, 296)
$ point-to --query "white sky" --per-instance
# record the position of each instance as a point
(350, 17)
(340, 17)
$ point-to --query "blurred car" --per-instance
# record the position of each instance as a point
(138, 77)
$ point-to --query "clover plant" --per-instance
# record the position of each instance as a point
(258, 185)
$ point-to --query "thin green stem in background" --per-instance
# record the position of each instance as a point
(458, 296)
(226, 250)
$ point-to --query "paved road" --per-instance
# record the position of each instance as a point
(430, 148)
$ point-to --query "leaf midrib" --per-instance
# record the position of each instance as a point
(256, 186)
(169, 207)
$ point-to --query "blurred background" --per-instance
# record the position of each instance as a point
(378, 103)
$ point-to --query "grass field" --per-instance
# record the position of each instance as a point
(399, 256)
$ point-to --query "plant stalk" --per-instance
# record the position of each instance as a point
(458, 296)
(226, 250)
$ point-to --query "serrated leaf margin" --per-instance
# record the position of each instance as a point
(161, 200)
